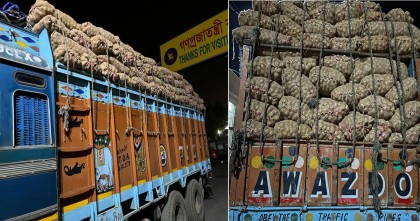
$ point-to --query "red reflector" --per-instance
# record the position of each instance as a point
(404, 201)
(348, 200)
(291, 200)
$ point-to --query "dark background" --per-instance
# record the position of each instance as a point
(237, 6)
(145, 25)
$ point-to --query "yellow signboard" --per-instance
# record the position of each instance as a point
(202, 42)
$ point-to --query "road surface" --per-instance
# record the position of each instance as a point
(216, 207)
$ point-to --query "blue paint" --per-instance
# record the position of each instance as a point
(78, 214)
(16, 155)
(26, 194)
(28, 39)
(317, 213)
(4, 38)
(106, 203)
(79, 91)
(126, 195)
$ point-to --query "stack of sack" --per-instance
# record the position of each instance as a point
(280, 89)
(93, 49)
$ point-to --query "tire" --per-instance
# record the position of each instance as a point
(194, 201)
(174, 209)
(157, 214)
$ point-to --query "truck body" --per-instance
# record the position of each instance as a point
(295, 179)
(113, 152)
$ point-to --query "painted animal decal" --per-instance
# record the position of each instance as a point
(69, 171)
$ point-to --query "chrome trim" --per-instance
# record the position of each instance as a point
(11, 170)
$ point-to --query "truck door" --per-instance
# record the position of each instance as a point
(28, 162)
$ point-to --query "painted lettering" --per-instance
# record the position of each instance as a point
(350, 179)
(291, 183)
(403, 193)
(381, 181)
(333, 216)
(263, 185)
(321, 186)
(266, 217)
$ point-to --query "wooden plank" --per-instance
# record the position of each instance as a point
(241, 98)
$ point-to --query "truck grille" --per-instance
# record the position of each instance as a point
(32, 124)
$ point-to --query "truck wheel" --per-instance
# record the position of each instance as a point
(194, 201)
(157, 214)
(174, 208)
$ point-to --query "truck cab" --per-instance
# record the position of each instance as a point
(28, 155)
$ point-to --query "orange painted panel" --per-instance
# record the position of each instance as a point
(262, 182)
(292, 174)
(123, 145)
(350, 175)
(319, 182)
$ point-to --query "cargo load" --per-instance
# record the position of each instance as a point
(346, 135)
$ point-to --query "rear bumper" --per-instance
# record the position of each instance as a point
(330, 213)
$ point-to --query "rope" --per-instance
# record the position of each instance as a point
(264, 123)
(317, 86)
(402, 97)
(92, 91)
(107, 91)
(64, 110)
(377, 145)
(300, 77)
(127, 131)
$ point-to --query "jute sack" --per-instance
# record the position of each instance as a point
(289, 110)
(380, 66)
(253, 129)
(294, 62)
(287, 129)
(397, 14)
(363, 124)
(383, 132)
(251, 18)
(344, 43)
(290, 81)
(341, 12)
(413, 134)
(356, 27)
(266, 7)
(410, 91)
(330, 79)
(328, 131)
(342, 63)
(385, 107)
(260, 66)
(328, 11)
(62, 53)
(68, 21)
(91, 30)
(247, 33)
(256, 112)
(379, 43)
(39, 10)
(395, 138)
(261, 86)
(383, 83)
(344, 93)
(286, 26)
(316, 26)
(332, 111)
(80, 37)
(404, 44)
(51, 24)
(412, 116)
(292, 11)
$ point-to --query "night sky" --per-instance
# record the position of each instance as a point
(150, 25)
